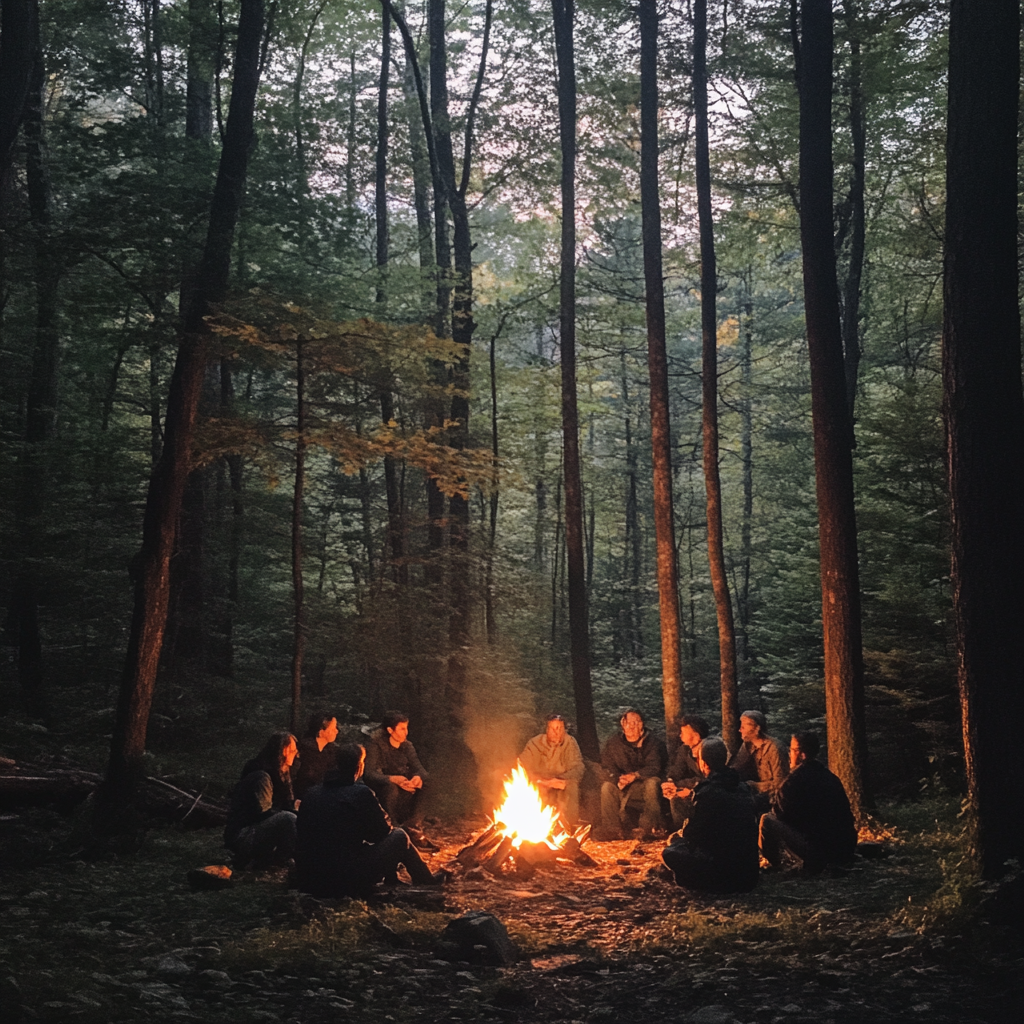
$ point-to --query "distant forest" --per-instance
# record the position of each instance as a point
(289, 282)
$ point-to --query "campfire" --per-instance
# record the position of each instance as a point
(524, 835)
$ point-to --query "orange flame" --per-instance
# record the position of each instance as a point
(523, 817)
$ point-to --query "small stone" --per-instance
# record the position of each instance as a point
(171, 967)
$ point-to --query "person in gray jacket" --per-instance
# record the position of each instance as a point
(555, 766)
(759, 762)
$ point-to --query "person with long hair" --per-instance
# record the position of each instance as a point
(260, 829)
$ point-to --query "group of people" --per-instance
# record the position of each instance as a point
(332, 812)
(728, 812)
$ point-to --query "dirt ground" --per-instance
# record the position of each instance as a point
(125, 939)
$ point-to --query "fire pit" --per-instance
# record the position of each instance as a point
(524, 835)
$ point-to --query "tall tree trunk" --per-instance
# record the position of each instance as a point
(298, 606)
(19, 39)
(421, 189)
(202, 44)
(657, 362)
(709, 387)
(167, 484)
(396, 526)
(381, 165)
(747, 461)
(855, 270)
(490, 618)
(984, 414)
(41, 405)
(579, 627)
(301, 167)
(833, 459)
(634, 546)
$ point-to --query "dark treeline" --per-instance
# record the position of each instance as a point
(381, 507)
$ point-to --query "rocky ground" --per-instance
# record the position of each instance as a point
(907, 938)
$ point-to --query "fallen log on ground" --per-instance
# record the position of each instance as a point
(33, 785)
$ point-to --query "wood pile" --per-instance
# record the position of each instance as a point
(495, 852)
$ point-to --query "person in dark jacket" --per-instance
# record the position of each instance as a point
(683, 773)
(759, 760)
(717, 850)
(810, 814)
(634, 764)
(317, 752)
(393, 769)
(261, 819)
(345, 843)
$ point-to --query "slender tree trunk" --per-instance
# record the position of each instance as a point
(634, 547)
(984, 414)
(299, 612)
(381, 178)
(709, 363)
(855, 270)
(833, 460)
(396, 527)
(19, 38)
(657, 361)
(579, 628)
(167, 484)
(747, 460)
(202, 43)
(421, 189)
(301, 168)
(41, 405)
(490, 619)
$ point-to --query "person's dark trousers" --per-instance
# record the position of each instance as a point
(399, 805)
(776, 836)
(270, 841)
(643, 794)
(379, 861)
(692, 869)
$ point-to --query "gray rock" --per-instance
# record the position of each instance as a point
(172, 967)
(711, 1015)
(478, 929)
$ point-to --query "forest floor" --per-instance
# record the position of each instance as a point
(125, 939)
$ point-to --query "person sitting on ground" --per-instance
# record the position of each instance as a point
(555, 766)
(261, 820)
(394, 773)
(810, 814)
(683, 773)
(634, 762)
(316, 752)
(717, 849)
(759, 761)
(345, 843)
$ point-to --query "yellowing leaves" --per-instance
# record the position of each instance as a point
(728, 331)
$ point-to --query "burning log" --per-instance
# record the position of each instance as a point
(524, 836)
(494, 862)
(481, 847)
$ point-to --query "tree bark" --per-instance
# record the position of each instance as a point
(163, 502)
(579, 627)
(709, 386)
(19, 39)
(202, 45)
(984, 414)
(657, 362)
(833, 460)
(41, 404)
(855, 200)
(298, 605)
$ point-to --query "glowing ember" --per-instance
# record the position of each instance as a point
(523, 817)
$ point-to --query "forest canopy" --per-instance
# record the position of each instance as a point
(376, 505)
